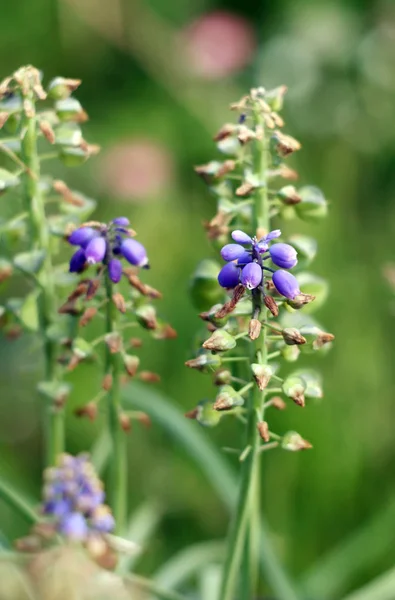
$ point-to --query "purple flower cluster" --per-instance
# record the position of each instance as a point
(107, 244)
(74, 496)
(245, 263)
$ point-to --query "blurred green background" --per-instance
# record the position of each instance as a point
(157, 80)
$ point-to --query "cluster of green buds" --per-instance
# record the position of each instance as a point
(251, 307)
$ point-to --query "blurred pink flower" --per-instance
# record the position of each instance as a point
(137, 169)
(218, 44)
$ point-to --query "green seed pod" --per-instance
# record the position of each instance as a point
(206, 415)
(313, 206)
(204, 288)
(293, 442)
(227, 398)
(313, 381)
(290, 353)
(294, 388)
(205, 362)
(60, 88)
(292, 336)
(70, 109)
(220, 341)
(262, 374)
(73, 157)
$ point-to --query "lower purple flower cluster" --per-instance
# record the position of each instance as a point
(246, 265)
(107, 244)
(74, 496)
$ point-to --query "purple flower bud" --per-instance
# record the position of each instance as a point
(134, 252)
(272, 235)
(244, 259)
(102, 520)
(251, 275)
(123, 221)
(232, 251)
(229, 276)
(96, 250)
(286, 284)
(115, 270)
(283, 255)
(74, 526)
(82, 236)
(77, 261)
(240, 237)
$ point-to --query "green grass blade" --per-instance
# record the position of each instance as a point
(16, 501)
(381, 588)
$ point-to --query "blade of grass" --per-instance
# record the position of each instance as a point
(332, 574)
(17, 502)
(188, 562)
(381, 588)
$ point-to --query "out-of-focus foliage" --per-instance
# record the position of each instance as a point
(153, 107)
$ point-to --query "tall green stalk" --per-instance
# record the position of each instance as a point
(40, 240)
(246, 510)
(118, 465)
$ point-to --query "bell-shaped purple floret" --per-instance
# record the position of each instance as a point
(77, 261)
(96, 250)
(272, 235)
(82, 236)
(134, 252)
(232, 251)
(261, 247)
(286, 284)
(244, 259)
(240, 237)
(229, 276)
(74, 526)
(283, 255)
(115, 270)
(123, 221)
(251, 276)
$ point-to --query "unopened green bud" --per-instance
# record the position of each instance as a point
(205, 414)
(70, 109)
(289, 195)
(275, 97)
(204, 288)
(294, 388)
(290, 353)
(146, 316)
(222, 377)
(227, 398)
(262, 374)
(294, 442)
(292, 336)
(220, 341)
(313, 381)
(61, 88)
(206, 361)
(313, 206)
(210, 316)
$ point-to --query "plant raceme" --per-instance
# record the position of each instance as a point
(259, 326)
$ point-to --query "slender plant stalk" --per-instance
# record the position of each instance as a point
(118, 462)
(46, 303)
(247, 511)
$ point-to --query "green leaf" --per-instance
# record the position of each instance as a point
(7, 180)
(30, 262)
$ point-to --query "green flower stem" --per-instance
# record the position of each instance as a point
(118, 462)
(46, 303)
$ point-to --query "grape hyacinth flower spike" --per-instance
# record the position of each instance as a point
(247, 266)
(107, 244)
